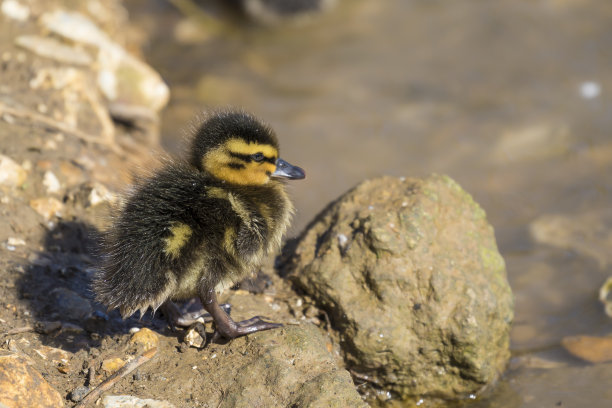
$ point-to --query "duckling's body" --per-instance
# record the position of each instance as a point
(194, 229)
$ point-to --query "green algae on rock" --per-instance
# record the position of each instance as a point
(411, 277)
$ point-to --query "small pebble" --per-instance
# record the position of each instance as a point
(145, 338)
(51, 182)
(342, 241)
(15, 10)
(11, 173)
(79, 393)
(196, 336)
(15, 241)
(111, 365)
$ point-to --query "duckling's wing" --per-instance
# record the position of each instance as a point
(146, 248)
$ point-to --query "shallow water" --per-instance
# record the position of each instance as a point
(510, 98)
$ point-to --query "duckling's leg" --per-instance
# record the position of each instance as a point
(224, 325)
(176, 318)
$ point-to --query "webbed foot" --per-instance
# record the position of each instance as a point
(226, 327)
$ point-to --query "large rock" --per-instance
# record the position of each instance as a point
(410, 274)
(23, 386)
(293, 368)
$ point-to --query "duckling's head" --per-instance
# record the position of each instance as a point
(235, 147)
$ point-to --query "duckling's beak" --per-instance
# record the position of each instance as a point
(287, 171)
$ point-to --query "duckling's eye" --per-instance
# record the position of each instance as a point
(257, 157)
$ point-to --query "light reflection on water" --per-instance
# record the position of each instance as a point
(490, 93)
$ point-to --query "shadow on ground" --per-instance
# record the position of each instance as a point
(57, 286)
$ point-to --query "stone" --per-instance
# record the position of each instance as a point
(416, 288)
(196, 336)
(127, 401)
(61, 358)
(51, 48)
(15, 10)
(590, 348)
(100, 194)
(47, 207)
(23, 386)
(78, 393)
(121, 76)
(13, 241)
(69, 305)
(110, 365)
(11, 173)
(51, 182)
(292, 368)
(145, 338)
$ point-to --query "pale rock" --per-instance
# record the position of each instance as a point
(100, 194)
(54, 49)
(47, 207)
(127, 401)
(121, 76)
(15, 10)
(11, 173)
(15, 241)
(196, 336)
(51, 182)
(22, 386)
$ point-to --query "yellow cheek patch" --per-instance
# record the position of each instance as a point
(239, 146)
(220, 163)
(246, 176)
(180, 235)
(268, 167)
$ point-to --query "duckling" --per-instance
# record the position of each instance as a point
(197, 227)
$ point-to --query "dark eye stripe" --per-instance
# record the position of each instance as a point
(247, 158)
(236, 166)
